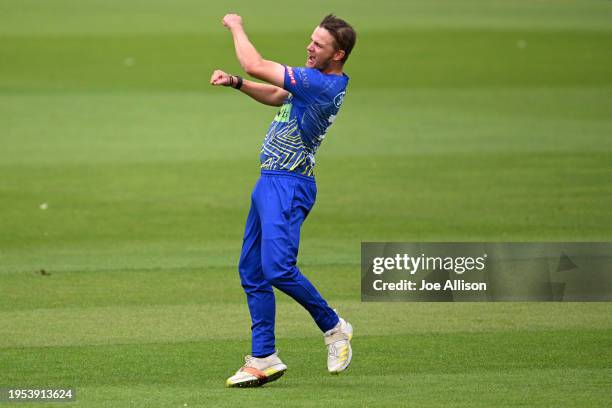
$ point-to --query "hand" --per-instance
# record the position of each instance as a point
(220, 78)
(232, 21)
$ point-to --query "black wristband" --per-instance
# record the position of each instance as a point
(238, 82)
(231, 81)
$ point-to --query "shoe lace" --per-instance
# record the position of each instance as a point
(248, 360)
(332, 351)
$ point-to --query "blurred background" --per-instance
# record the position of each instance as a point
(475, 120)
(126, 177)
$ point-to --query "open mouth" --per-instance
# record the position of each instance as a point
(310, 59)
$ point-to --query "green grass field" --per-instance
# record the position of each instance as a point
(464, 121)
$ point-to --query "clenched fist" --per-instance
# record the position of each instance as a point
(232, 21)
(220, 78)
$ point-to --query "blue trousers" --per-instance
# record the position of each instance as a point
(280, 203)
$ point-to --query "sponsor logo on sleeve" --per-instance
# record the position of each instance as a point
(291, 75)
(338, 99)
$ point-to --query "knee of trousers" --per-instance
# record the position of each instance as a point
(256, 286)
(249, 266)
(277, 272)
(252, 278)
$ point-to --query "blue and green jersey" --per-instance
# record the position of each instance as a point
(299, 127)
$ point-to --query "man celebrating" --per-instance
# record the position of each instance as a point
(310, 98)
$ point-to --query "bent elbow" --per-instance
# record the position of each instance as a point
(254, 68)
(251, 69)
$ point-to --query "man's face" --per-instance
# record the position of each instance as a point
(320, 50)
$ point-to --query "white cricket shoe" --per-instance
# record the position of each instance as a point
(257, 371)
(338, 342)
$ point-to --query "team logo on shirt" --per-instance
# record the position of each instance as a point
(291, 75)
(284, 113)
(338, 99)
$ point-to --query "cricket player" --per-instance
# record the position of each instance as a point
(310, 98)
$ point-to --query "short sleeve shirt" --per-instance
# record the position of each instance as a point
(299, 128)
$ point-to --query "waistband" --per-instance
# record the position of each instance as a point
(284, 173)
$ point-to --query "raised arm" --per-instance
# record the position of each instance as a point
(264, 93)
(250, 60)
